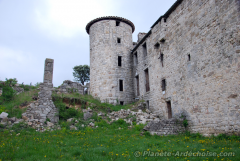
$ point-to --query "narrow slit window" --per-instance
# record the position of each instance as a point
(163, 84)
(121, 102)
(119, 61)
(165, 20)
(147, 104)
(189, 57)
(117, 23)
(156, 46)
(144, 49)
(147, 80)
(161, 58)
(119, 40)
(137, 81)
(120, 85)
(135, 58)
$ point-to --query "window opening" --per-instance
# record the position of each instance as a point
(137, 79)
(144, 49)
(121, 102)
(163, 84)
(117, 23)
(161, 58)
(147, 80)
(136, 58)
(189, 57)
(156, 46)
(120, 85)
(119, 40)
(119, 61)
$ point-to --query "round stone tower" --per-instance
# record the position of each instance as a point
(110, 59)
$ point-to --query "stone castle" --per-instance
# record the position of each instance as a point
(188, 63)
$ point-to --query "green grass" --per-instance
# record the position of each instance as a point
(12, 107)
(108, 143)
(95, 103)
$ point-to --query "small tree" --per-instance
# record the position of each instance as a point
(81, 73)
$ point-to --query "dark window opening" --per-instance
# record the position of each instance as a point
(161, 58)
(119, 61)
(121, 102)
(144, 49)
(147, 104)
(162, 40)
(147, 80)
(136, 58)
(163, 84)
(165, 20)
(189, 57)
(156, 46)
(137, 79)
(120, 85)
(117, 23)
(169, 109)
(119, 40)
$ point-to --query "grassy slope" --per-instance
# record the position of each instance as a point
(106, 142)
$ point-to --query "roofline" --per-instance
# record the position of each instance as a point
(143, 39)
(166, 15)
(170, 10)
(110, 18)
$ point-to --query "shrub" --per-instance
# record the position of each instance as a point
(64, 113)
(8, 93)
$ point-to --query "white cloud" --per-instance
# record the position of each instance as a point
(69, 17)
(17, 64)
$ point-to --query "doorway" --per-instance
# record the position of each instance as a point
(169, 109)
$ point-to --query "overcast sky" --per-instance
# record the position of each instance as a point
(33, 30)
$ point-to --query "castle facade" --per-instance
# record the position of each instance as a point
(187, 64)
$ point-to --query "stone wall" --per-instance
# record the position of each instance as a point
(44, 108)
(104, 52)
(201, 65)
(69, 86)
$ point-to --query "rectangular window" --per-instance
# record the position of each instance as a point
(117, 23)
(119, 40)
(157, 46)
(147, 80)
(163, 84)
(119, 61)
(120, 85)
(121, 102)
(135, 58)
(144, 49)
(147, 104)
(137, 81)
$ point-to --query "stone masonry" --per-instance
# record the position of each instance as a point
(187, 64)
(69, 86)
(108, 44)
(44, 108)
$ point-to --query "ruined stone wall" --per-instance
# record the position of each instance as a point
(69, 86)
(206, 87)
(44, 107)
(104, 69)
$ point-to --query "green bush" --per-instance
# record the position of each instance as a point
(8, 93)
(64, 113)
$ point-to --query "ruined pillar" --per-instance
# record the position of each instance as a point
(44, 107)
(48, 71)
